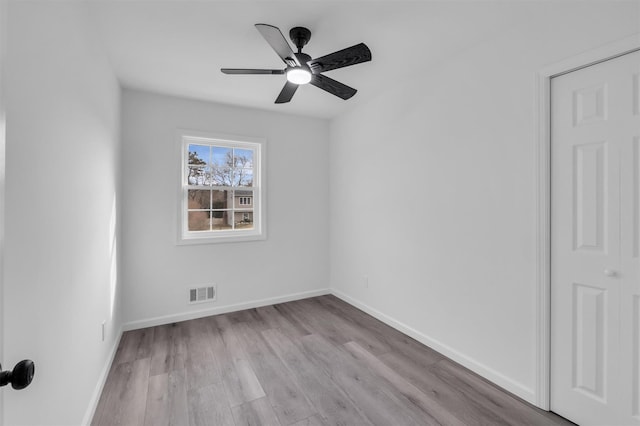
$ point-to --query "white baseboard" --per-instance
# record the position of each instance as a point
(493, 376)
(102, 379)
(184, 316)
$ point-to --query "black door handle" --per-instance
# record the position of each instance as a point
(21, 375)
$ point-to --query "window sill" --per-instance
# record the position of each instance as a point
(234, 237)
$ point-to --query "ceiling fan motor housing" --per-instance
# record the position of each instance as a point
(300, 36)
(303, 58)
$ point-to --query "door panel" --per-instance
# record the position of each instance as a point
(595, 238)
(635, 190)
(636, 94)
(590, 104)
(589, 348)
(589, 164)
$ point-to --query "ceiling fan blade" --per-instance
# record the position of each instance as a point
(276, 40)
(334, 87)
(249, 71)
(286, 93)
(342, 58)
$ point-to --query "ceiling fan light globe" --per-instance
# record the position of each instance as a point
(298, 76)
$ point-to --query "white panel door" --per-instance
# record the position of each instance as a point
(595, 237)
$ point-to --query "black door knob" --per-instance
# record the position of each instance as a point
(21, 375)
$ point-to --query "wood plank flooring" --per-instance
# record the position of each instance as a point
(313, 362)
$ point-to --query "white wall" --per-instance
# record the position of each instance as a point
(61, 211)
(156, 272)
(443, 221)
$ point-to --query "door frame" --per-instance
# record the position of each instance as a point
(543, 198)
(4, 10)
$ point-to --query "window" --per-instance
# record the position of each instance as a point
(221, 189)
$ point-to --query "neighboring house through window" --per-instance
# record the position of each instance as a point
(222, 197)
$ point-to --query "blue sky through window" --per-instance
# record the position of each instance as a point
(202, 151)
(246, 153)
(216, 170)
(220, 155)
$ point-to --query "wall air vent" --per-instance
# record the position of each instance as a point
(202, 294)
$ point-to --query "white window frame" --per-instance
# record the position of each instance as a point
(258, 145)
(245, 200)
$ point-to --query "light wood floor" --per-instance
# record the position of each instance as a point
(317, 361)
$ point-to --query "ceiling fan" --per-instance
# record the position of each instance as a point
(301, 69)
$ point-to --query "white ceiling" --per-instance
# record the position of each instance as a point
(178, 47)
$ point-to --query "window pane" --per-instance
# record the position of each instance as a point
(199, 221)
(243, 220)
(198, 176)
(243, 158)
(243, 199)
(220, 200)
(222, 176)
(199, 199)
(222, 156)
(243, 177)
(221, 220)
(222, 166)
(198, 154)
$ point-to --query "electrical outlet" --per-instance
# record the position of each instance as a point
(104, 323)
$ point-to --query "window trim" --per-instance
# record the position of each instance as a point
(259, 231)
